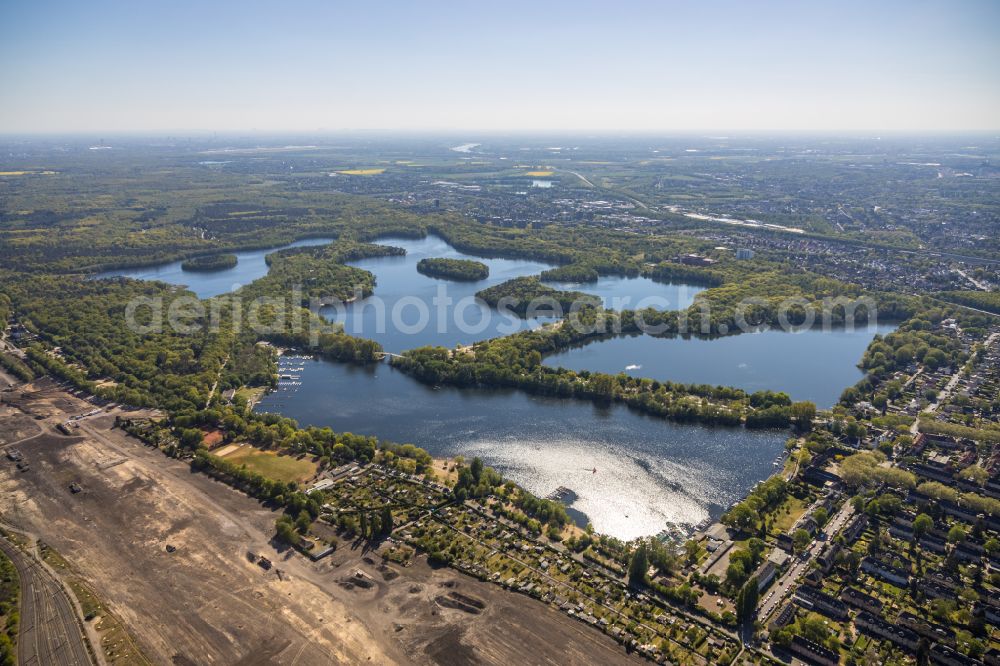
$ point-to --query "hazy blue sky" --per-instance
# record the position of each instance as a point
(287, 65)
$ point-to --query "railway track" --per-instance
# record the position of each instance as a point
(50, 631)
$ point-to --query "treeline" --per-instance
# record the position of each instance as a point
(341, 250)
(515, 361)
(183, 223)
(580, 253)
(476, 480)
(151, 344)
(782, 298)
(667, 271)
(16, 367)
(275, 432)
(865, 470)
(10, 592)
(973, 501)
(571, 273)
(525, 296)
(333, 345)
(217, 262)
(748, 515)
(464, 270)
(272, 431)
(982, 300)
(933, 426)
(512, 362)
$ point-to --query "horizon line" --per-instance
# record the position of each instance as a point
(715, 133)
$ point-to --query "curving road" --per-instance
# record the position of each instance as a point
(49, 631)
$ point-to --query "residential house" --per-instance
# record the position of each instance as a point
(813, 652)
(861, 600)
(815, 599)
(877, 626)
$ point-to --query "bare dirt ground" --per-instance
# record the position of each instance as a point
(15, 425)
(442, 617)
(206, 603)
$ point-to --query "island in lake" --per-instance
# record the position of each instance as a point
(215, 262)
(465, 270)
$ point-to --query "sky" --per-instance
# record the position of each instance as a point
(839, 65)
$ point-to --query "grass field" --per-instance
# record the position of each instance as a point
(361, 172)
(783, 521)
(272, 465)
(538, 174)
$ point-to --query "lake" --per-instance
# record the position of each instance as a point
(810, 365)
(206, 284)
(650, 473)
(410, 310)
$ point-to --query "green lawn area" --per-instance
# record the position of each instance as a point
(272, 465)
(782, 520)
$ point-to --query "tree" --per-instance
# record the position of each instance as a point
(746, 601)
(741, 518)
(800, 540)
(285, 530)
(736, 573)
(303, 521)
(639, 567)
(691, 550)
(975, 474)
(956, 534)
(922, 524)
(603, 385)
(821, 515)
(803, 412)
(386, 520)
(191, 438)
(855, 430)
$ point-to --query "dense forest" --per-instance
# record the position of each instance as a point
(215, 262)
(527, 296)
(576, 273)
(983, 300)
(464, 270)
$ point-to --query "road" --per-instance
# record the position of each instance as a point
(777, 593)
(977, 283)
(50, 631)
(584, 179)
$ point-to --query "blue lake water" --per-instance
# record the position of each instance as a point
(811, 365)
(410, 310)
(650, 472)
(206, 284)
